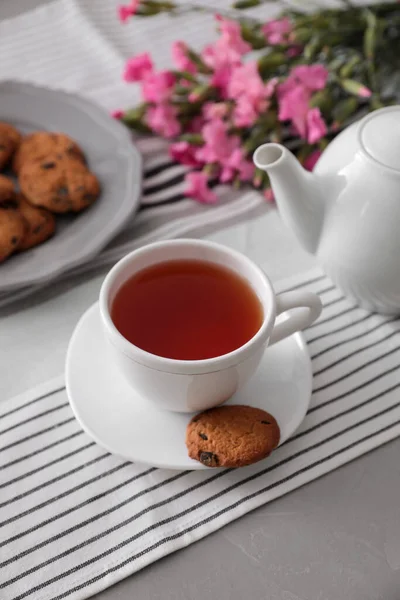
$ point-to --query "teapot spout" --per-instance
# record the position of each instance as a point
(298, 193)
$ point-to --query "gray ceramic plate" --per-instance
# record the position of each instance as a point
(111, 156)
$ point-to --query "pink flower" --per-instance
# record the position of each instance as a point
(237, 164)
(294, 51)
(293, 106)
(245, 113)
(138, 67)
(269, 195)
(270, 87)
(117, 114)
(250, 93)
(277, 31)
(181, 59)
(311, 160)
(221, 79)
(198, 189)
(232, 35)
(158, 87)
(196, 125)
(215, 110)
(229, 48)
(364, 92)
(127, 10)
(184, 153)
(210, 56)
(162, 119)
(218, 145)
(294, 97)
(246, 80)
(313, 77)
(316, 127)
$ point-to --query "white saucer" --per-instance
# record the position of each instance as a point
(124, 424)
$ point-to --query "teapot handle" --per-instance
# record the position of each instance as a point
(307, 308)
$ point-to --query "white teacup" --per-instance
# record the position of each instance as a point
(193, 385)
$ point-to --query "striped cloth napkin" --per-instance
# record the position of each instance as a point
(74, 519)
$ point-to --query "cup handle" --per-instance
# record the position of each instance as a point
(308, 308)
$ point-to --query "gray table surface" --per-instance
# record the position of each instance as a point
(336, 538)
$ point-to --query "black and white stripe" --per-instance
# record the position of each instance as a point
(74, 518)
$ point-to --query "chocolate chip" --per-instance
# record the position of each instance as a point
(62, 191)
(48, 165)
(89, 198)
(3, 147)
(80, 188)
(13, 204)
(37, 229)
(266, 422)
(203, 436)
(209, 459)
(14, 240)
(71, 149)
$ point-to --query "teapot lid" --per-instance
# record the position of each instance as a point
(380, 136)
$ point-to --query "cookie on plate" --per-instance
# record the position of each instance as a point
(8, 198)
(231, 436)
(12, 231)
(40, 224)
(36, 146)
(10, 139)
(59, 184)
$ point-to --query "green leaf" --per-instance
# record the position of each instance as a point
(136, 124)
(135, 114)
(196, 59)
(323, 100)
(192, 138)
(347, 69)
(370, 42)
(258, 136)
(303, 34)
(185, 75)
(370, 35)
(345, 109)
(353, 87)
(270, 62)
(242, 4)
(313, 47)
(323, 143)
(376, 103)
(202, 92)
(253, 36)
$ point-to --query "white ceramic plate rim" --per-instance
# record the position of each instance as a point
(129, 201)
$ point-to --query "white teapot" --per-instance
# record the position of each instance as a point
(347, 212)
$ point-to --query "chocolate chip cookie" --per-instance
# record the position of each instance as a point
(59, 184)
(10, 139)
(231, 436)
(36, 146)
(40, 224)
(12, 231)
(8, 197)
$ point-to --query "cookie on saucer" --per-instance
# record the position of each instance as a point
(38, 145)
(58, 184)
(10, 139)
(231, 436)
